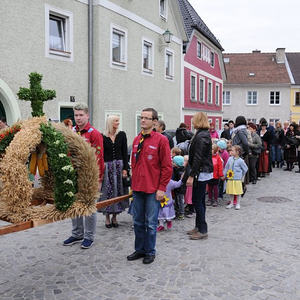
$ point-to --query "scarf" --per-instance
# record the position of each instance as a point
(140, 146)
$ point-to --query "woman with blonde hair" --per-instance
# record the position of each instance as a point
(116, 169)
(200, 161)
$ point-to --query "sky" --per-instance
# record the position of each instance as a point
(246, 25)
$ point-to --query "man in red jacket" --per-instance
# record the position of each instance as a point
(84, 228)
(151, 172)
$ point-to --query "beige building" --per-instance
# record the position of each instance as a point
(132, 65)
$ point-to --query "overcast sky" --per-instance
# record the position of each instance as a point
(245, 25)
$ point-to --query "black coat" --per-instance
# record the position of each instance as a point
(182, 135)
(226, 134)
(170, 139)
(200, 154)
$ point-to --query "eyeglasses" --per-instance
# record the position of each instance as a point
(146, 118)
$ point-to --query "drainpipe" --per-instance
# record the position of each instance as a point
(90, 60)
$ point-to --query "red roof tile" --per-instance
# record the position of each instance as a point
(262, 65)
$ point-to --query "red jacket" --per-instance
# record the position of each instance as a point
(95, 139)
(218, 166)
(153, 170)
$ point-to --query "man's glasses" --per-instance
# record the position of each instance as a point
(146, 118)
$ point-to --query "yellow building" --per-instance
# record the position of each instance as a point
(293, 64)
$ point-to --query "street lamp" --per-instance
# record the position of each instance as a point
(167, 36)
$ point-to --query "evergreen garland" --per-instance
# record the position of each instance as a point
(7, 136)
(65, 178)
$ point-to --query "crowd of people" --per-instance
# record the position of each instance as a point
(174, 178)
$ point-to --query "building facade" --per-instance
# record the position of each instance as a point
(133, 67)
(257, 85)
(293, 60)
(203, 69)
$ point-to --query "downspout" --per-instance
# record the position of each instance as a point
(90, 60)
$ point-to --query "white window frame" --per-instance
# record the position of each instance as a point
(225, 97)
(251, 120)
(206, 53)
(274, 120)
(217, 124)
(251, 104)
(122, 65)
(201, 78)
(274, 93)
(295, 97)
(193, 75)
(217, 95)
(118, 113)
(165, 15)
(212, 61)
(209, 92)
(171, 76)
(149, 71)
(68, 53)
(199, 43)
(138, 115)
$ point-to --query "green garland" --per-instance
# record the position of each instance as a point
(65, 178)
(7, 136)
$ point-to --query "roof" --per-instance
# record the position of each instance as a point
(192, 21)
(255, 68)
(294, 63)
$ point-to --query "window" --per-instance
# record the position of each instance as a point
(193, 87)
(274, 98)
(147, 57)
(206, 54)
(297, 98)
(169, 64)
(217, 94)
(163, 9)
(252, 98)
(251, 120)
(212, 59)
(118, 47)
(209, 93)
(58, 33)
(273, 121)
(217, 125)
(226, 98)
(201, 90)
(199, 52)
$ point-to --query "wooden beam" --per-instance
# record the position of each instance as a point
(34, 223)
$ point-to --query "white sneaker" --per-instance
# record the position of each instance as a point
(238, 206)
(229, 205)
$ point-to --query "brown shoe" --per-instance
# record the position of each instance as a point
(199, 236)
(191, 232)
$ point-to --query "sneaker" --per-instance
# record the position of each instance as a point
(215, 203)
(230, 205)
(86, 244)
(160, 228)
(72, 240)
(169, 224)
(180, 217)
(238, 206)
(199, 236)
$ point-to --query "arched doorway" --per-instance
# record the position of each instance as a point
(8, 104)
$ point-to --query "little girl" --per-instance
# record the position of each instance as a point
(213, 184)
(235, 170)
(189, 208)
(167, 212)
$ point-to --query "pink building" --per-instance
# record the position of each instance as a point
(203, 69)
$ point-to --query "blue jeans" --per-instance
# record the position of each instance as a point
(276, 153)
(198, 199)
(145, 218)
(84, 227)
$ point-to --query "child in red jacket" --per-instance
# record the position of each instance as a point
(213, 184)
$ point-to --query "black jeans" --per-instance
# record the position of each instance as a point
(252, 167)
(198, 199)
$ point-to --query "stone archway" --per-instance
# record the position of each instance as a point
(10, 104)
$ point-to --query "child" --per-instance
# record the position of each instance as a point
(178, 170)
(175, 151)
(188, 190)
(235, 170)
(213, 184)
(167, 212)
(224, 155)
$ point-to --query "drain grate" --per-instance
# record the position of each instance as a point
(273, 199)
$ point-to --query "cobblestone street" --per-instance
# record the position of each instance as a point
(253, 253)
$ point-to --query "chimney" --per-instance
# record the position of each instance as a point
(280, 55)
(256, 51)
